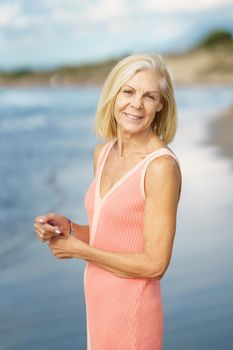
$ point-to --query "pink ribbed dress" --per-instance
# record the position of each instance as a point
(122, 313)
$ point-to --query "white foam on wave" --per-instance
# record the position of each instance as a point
(25, 98)
(25, 123)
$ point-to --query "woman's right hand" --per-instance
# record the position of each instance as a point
(50, 225)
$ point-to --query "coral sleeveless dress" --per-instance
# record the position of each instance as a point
(122, 313)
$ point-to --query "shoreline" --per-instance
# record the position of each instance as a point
(200, 66)
(99, 85)
(220, 133)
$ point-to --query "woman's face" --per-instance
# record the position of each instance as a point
(137, 102)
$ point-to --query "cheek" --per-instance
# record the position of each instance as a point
(120, 105)
(155, 107)
(151, 111)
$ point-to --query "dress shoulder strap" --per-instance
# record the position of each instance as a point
(160, 152)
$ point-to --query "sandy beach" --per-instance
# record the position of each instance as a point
(200, 66)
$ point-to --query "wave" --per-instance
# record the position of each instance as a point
(25, 123)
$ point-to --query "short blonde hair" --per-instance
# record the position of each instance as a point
(165, 121)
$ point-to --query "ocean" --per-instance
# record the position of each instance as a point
(46, 145)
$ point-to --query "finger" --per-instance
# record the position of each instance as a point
(42, 219)
(37, 231)
(43, 235)
(39, 228)
(61, 255)
(55, 252)
(41, 238)
(52, 229)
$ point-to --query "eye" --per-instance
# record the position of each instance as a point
(126, 91)
(151, 97)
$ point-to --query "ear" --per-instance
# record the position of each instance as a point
(159, 107)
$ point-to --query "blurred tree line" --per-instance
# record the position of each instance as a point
(217, 37)
(217, 44)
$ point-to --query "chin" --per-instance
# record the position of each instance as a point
(131, 130)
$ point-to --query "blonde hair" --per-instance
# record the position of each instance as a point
(165, 121)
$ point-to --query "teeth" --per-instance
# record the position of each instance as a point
(134, 117)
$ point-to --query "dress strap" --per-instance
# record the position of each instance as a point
(160, 152)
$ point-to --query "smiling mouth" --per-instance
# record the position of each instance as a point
(133, 117)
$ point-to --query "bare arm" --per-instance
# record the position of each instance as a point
(162, 185)
(81, 232)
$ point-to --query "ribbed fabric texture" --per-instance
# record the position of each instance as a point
(122, 313)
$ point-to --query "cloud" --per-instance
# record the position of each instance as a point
(14, 18)
(75, 30)
(90, 12)
(106, 10)
(183, 5)
(10, 13)
(67, 3)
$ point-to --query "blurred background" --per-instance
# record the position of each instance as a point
(54, 58)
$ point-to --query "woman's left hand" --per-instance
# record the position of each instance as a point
(65, 248)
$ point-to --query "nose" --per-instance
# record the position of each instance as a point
(136, 101)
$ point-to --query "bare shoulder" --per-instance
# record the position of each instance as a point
(165, 165)
(96, 153)
(98, 149)
(162, 173)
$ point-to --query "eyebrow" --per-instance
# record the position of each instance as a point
(154, 91)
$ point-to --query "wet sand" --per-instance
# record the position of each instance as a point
(221, 129)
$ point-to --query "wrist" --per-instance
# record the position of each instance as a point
(71, 228)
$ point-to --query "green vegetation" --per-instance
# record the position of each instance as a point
(217, 37)
(91, 73)
(17, 73)
(208, 61)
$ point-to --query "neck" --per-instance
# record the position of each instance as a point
(129, 143)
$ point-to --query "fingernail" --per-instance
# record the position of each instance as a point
(41, 220)
(57, 231)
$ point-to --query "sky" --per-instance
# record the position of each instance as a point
(39, 34)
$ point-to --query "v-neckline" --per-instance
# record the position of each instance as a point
(125, 176)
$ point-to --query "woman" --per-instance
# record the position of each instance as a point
(131, 206)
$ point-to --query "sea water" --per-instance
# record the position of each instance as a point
(46, 147)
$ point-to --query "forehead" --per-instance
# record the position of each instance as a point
(146, 80)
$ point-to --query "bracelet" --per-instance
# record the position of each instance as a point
(72, 232)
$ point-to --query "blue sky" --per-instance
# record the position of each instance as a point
(45, 33)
